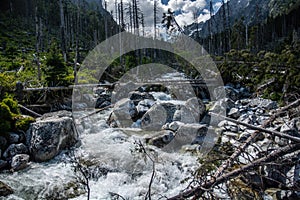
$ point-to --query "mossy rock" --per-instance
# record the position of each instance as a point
(5, 113)
(12, 104)
(23, 122)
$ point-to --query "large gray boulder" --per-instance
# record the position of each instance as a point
(50, 134)
(123, 114)
(158, 115)
(187, 134)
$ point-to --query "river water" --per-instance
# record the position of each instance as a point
(127, 171)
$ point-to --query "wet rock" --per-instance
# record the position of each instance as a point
(187, 134)
(263, 103)
(196, 107)
(139, 96)
(3, 164)
(173, 126)
(103, 100)
(5, 190)
(186, 115)
(222, 105)
(13, 138)
(234, 113)
(161, 139)
(15, 149)
(50, 134)
(230, 93)
(88, 99)
(144, 105)
(19, 162)
(158, 115)
(79, 106)
(99, 91)
(244, 92)
(3, 142)
(123, 114)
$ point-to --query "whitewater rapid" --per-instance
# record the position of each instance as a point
(128, 172)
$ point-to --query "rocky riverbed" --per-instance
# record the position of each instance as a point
(145, 132)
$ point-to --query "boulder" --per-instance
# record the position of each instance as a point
(89, 99)
(50, 134)
(5, 190)
(3, 142)
(13, 138)
(185, 115)
(144, 105)
(173, 126)
(234, 113)
(222, 105)
(103, 100)
(263, 103)
(19, 162)
(139, 96)
(187, 134)
(3, 164)
(196, 107)
(15, 149)
(230, 93)
(158, 115)
(161, 139)
(123, 114)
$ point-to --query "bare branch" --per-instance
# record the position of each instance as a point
(198, 191)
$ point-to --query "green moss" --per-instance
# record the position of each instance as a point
(5, 113)
(5, 118)
(23, 123)
(12, 104)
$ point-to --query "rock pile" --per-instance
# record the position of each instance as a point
(175, 122)
(45, 138)
(256, 112)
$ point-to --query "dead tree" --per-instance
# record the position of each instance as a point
(62, 30)
(38, 40)
(280, 160)
(155, 17)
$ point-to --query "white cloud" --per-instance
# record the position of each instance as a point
(186, 8)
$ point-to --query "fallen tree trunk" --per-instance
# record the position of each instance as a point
(30, 111)
(249, 140)
(198, 191)
(276, 133)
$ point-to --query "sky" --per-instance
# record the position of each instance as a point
(184, 10)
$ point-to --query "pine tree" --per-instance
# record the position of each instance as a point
(55, 70)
